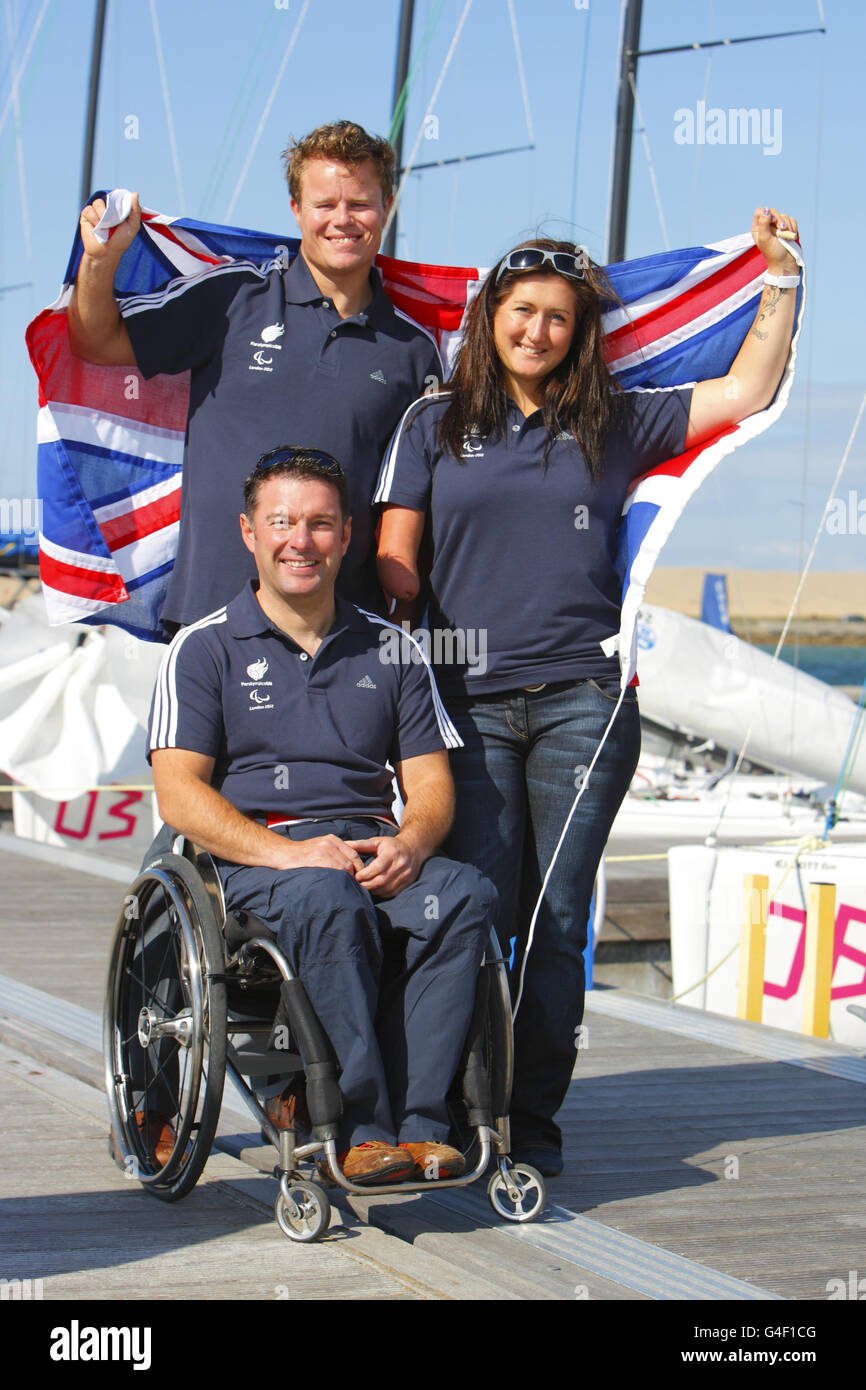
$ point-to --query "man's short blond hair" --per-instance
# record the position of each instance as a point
(345, 142)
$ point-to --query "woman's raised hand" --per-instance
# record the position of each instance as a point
(767, 223)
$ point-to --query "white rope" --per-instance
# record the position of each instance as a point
(807, 431)
(30, 42)
(791, 611)
(711, 29)
(445, 66)
(578, 134)
(248, 84)
(520, 71)
(166, 102)
(19, 148)
(698, 150)
(267, 111)
(819, 138)
(552, 864)
(649, 160)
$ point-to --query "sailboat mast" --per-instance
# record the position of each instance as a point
(624, 121)
(92, 102)
(404, 52)
(628, 59)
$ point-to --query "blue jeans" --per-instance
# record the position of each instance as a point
(516, 779)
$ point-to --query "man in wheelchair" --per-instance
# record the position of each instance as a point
(273, 724)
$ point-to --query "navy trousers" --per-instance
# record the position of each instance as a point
(391, 979)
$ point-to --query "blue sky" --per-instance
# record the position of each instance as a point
(222, 58)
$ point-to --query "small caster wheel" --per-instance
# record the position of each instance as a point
(302, 1210)
(531, 1193)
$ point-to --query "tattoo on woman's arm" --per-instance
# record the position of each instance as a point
(772, 295)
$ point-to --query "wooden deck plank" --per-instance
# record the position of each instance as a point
(651, 1122)
(86, 1231)
(795, 1215)
(71, 1219)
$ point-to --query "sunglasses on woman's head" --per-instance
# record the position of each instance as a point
(531, 257)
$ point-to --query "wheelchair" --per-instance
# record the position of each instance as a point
(195, 992)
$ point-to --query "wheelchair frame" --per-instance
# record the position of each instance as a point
(171, 1031)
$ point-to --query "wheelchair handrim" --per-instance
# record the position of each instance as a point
(118, 1084)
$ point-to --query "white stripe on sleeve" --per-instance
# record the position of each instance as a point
(166, 707)
(389, 464)
(450, 736)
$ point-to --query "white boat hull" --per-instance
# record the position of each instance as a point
(709, 684)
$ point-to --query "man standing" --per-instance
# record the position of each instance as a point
(314, 352)
(274, 722)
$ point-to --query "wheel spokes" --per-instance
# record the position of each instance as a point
(160, 1014)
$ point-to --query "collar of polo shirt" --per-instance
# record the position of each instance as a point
(299, 287)
(248, 619)
(534, 418)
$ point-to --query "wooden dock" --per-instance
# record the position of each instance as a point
(707, 1160)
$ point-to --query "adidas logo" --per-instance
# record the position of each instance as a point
(378, 375)
(366, 684)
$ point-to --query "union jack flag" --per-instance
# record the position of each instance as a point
(110, 445)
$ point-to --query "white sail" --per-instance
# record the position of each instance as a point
(73, 706)
(710, 684)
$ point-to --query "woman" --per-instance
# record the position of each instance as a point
(522, 465)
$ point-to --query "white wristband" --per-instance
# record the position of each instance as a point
(782, 282)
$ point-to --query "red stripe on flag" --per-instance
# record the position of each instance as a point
(79, 582)
(679, 466)
(425, 312)
(163, 230)
(684, 309)
(434, 295)
(408, 272)
(122, 391)
(141, 521)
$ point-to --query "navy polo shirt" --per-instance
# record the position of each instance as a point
(273, 363)
(291, 734)
(524, 588)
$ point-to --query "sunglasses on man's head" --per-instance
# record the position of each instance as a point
(531, 257)
(289, 454)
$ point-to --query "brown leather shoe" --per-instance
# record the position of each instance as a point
(433, 1160)
(157, 1133)
(160, 1136)
(376, 1162)
(289, 1111)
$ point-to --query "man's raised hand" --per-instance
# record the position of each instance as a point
(119, 238)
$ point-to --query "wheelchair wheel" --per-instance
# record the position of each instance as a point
(531, 1192)
(302, 1209)
(165, 1029)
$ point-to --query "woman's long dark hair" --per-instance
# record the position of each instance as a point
(579, 394)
